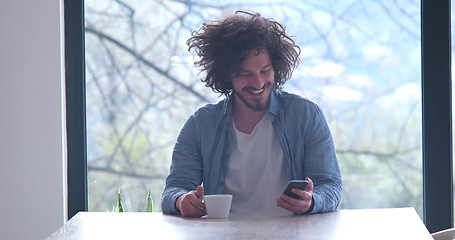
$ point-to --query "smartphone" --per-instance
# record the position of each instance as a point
(299, 184)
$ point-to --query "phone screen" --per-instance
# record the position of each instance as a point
(299, 184)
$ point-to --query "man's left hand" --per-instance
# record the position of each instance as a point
(298, 206)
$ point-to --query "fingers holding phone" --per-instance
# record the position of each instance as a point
(295, 184)
(297, 196)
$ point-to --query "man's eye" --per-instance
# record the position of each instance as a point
(244, 74)
(267, 71)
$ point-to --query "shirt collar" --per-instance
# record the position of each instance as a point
(227, 106)
(274, 108)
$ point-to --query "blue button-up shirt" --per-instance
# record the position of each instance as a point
(201, 152)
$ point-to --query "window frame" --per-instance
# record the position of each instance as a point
(437, 114)
(77, 195)
(436, 111)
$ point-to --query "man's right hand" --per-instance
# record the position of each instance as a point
(190, 204)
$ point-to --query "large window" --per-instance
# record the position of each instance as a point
(360, 61)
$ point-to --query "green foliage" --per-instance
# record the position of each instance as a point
(119, 203)
(148, 207)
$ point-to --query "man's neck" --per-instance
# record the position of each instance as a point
(245, 118)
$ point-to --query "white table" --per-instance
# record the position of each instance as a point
(396, 223)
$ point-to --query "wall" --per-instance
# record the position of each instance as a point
(31, 171)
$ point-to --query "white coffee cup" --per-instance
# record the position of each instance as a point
(218, 205)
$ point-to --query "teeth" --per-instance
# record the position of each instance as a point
(257, 91)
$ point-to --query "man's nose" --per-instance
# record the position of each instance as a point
(257, 81)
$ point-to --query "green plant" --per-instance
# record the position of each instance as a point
(119, 203)
(149, 207)
(119, 208)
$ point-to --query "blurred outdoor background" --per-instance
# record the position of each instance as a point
(360, 62)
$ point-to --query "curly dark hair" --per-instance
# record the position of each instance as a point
(223, 45)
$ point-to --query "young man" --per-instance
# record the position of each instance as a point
(259, 137)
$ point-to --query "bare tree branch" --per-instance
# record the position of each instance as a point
(146, 62)
(125, 173)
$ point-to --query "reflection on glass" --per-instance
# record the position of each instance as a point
(360, 62)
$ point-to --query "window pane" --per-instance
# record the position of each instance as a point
(360, 62)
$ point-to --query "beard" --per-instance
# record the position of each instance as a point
(255, 105)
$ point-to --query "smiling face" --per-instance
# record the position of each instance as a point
(254, 82)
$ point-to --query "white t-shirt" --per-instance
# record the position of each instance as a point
(256, 173)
